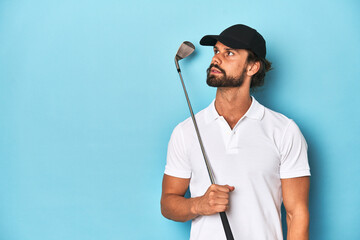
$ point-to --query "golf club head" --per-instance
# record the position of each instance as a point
(185, 49)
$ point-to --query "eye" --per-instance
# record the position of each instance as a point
(230, 53)
(216, 51)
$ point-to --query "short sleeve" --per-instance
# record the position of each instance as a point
(293, 152)
(177, 163)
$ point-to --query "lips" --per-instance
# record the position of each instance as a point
(215, 70)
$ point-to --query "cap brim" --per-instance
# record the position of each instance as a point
(211, 40)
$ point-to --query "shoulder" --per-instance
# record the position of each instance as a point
(268, 118)
(186, 127)
(278, 123)
(283, 128)
(276, 118)
(279, 126)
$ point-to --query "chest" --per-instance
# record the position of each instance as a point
(235, 155)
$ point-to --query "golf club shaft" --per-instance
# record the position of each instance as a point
(210, 172)
(224, 219)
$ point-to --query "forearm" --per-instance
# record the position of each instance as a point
(298, 226)
(178, 208)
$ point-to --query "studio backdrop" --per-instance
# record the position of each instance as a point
(89, 96)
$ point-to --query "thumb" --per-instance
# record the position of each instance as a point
(231, 188)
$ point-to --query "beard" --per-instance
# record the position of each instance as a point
(223, 80)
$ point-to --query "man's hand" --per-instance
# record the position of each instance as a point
(215, 200)
(178, 208)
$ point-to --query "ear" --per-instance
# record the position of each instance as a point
(253, 68)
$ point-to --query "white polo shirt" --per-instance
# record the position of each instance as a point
(263, 147)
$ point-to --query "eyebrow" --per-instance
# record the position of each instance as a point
(232, 49)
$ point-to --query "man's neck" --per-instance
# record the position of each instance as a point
(232, 103)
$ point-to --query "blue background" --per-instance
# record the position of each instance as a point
(89, 95)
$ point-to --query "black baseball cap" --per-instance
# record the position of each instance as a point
(238, 36)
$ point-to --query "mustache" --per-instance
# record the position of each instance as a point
(215, 66)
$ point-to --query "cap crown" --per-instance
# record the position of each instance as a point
(238, 36)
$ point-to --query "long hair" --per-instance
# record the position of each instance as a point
(258, 79)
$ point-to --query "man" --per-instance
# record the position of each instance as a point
(259, 157)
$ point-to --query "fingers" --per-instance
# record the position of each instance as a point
(216, 199)
(222, 188)
(217, 194)
(220, 208)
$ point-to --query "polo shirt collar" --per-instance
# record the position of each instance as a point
(256, 111)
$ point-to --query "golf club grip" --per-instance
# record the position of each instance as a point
(226, 225)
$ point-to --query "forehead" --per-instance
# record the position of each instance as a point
(220, 45)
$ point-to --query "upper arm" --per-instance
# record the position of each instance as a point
(296, 194)
(293, 152)
(174, 205)
(174, 185)
(177, 161)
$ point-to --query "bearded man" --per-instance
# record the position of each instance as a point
(258, 156)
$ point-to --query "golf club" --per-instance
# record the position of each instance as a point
(185, 49)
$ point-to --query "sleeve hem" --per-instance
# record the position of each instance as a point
(177, 173)
(301, 173)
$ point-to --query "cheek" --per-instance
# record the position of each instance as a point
(236, 70)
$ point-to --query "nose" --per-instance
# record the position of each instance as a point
(216, 59)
